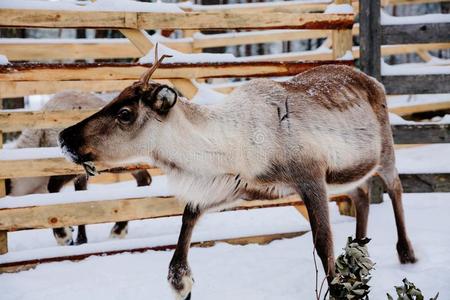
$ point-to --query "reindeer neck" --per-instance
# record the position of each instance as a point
(202, 136)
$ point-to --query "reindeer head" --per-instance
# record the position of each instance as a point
(114, 133)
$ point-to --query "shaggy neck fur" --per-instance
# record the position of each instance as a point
(195, 140)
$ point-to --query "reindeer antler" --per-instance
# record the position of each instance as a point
(157, 62)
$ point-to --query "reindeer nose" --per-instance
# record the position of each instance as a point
(71, 141)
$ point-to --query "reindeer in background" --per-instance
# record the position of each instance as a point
(322, 132)
(48, 138)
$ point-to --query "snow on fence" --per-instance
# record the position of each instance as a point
(22, 79)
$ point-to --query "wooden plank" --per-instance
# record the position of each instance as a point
(403, 2)
(125, 71)
(370, 37)
(415, 33)
(342, 38)
(421, 134)
(25, 88)
(190, 20)
(426, 183)
(3, 234)
(247, 38)
(33, 49)
(420, 108)
(56, 166)
(16, 121)
(18, 266)
(417, 84)
(93, 212)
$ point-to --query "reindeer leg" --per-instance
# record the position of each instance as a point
(314, 195)
(120, 229)
(180, 276)
(360, 198)
(80, 184)
(63, 235)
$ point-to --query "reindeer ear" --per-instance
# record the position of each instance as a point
(163, 99)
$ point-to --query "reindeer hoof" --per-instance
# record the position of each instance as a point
(181, 281)
(406, 253)
(118, 233)
(63, 236)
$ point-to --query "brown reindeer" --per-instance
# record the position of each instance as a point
(324, 131)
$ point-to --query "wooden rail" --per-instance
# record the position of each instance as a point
(415, 33)
(417, 84)
(36, 18)
(130, 71)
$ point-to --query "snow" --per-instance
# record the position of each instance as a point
(116, 191)
(206, 95)
(416, 68)
(30, 153)
(98, 5)
(347, 56)
(3, 60)
(179, 57)
(387, 19)
(339, 9)
(188, 5)
(395, 101)
(281, 270)
(397, 120)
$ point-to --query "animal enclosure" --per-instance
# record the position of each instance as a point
(258, 23)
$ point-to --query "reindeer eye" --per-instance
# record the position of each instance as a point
(125, 116)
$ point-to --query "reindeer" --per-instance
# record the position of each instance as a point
(322, 132)
(48, 138)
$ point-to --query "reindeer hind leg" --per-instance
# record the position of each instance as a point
(393, 184)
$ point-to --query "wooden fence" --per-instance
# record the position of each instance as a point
(18, 79)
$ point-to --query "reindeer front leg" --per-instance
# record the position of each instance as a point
(180, 276)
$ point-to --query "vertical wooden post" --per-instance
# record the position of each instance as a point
(370, 63)
(370, 37)
(342, 38)
(3, 234)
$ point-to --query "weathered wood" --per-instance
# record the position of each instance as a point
(18, 266)
(3, 242)
(403, 2)
(415, 33)
(3, 234)
(425, 183)
(33, 49)
(421, 134)
(16, 121)
(93, 212)
(246, 38)
(370, 37)
(190, 20)
(420, 108)
(417, 84)
(342, 39)
(55, 166)
(119, 71)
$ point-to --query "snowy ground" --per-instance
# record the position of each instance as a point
(281, 270)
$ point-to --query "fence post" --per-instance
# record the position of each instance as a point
(370, 62)
(3, 234)
(342, 39)
(370, 37)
